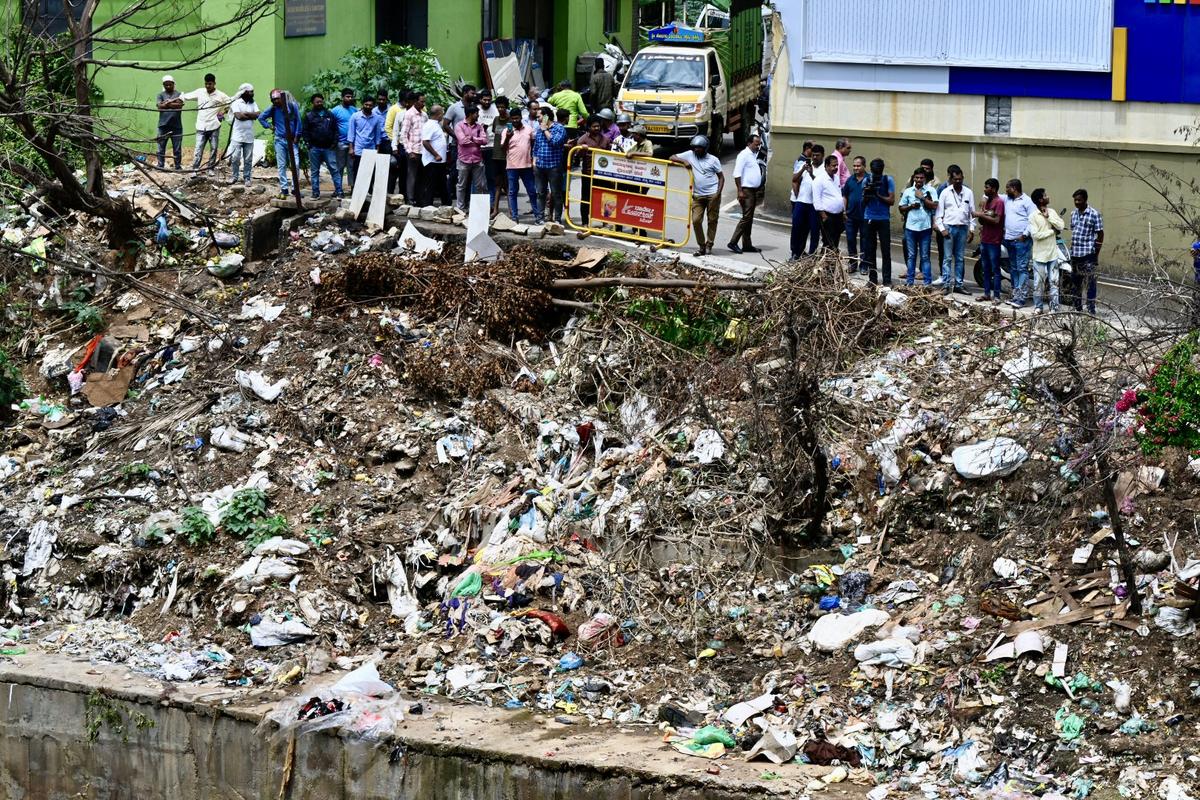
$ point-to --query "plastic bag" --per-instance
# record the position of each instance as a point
(991, 458)
(363, 681)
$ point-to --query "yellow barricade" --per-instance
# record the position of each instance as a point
(642, 199)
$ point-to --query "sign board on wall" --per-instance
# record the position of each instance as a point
(303, 18)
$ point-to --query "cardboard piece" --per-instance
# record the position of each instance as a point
(737, 714)
(378, 209)
(485, 248)
(108, 388)
(362, 181)
(139, 332)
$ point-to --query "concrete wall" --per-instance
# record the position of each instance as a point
(204, 742)
(1061, 145)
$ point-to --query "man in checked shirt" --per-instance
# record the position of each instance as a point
(1087, 237)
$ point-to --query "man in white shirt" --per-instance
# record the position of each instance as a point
(955, 221)
(830, 205)
(1017, 240)
(806, 225)
(211, 105)
(433, 159)
(748, 176)
(241, 142)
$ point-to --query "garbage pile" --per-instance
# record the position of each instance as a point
(533, 484)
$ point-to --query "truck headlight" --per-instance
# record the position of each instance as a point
(691, 108)
(624, 107)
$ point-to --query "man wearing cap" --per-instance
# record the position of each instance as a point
(623, 142)
(708, 181)
(608, 125)
(241, 141)
(211, 105)
(282, 118)
(642, 146)
(170, 122)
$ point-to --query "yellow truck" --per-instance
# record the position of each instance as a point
(691, 81)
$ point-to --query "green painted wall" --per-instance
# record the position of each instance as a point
(454, 29)
(348, 23)
(129, 93)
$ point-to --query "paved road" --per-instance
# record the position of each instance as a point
(772, 235)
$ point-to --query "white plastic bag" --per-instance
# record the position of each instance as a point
(991, 458)
(364, 681)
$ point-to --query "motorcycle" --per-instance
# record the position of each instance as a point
(616, 60)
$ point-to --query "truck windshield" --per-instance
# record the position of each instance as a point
(660, 71)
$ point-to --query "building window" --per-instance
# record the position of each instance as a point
(612, 16)
(49, 17)
(491, 19)
(997, 116)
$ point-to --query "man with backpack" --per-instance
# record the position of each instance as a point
(321, 134)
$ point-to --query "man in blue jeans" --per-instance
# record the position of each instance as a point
(856, 226)
(918, 204)
(955, 221)
(879, 195)
(344, 111)
(1017, 240)
(282, 114)
(321, 134)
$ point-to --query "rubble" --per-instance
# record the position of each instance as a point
(569, 482)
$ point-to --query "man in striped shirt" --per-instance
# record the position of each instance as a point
(1087, 237)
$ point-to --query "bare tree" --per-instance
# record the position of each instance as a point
(50, 125)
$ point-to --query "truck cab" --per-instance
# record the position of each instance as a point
(690, 81)
(677, 90)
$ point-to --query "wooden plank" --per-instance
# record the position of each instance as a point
(1049, 622)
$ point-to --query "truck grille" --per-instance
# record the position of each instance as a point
(657, 109)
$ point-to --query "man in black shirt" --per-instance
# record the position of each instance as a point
(170, 122)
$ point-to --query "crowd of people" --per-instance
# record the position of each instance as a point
(479, 144)
(835, 195)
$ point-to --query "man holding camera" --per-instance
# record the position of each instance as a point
(879, 195)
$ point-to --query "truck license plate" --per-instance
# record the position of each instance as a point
(658, 128)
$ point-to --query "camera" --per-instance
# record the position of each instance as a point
(874, 187)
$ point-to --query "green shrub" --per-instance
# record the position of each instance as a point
(390, 66)
(1170, 405)
(196, 526)
(243, 510)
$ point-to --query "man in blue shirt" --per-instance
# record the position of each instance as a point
(879, 194)
(282, 118)
(366, 131)
(321, 134)
(343, 111)
(855, 222)
(548, 163)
